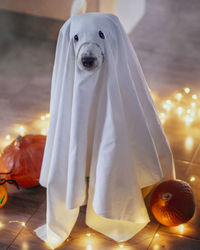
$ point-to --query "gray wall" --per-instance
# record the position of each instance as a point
(167, 42)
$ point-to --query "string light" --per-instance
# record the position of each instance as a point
(180, 110)
(156, 247)
(188, 120)
(21, 130)
(16, 221)
(169, 102)
(89, 247)
(8, 137)
(163, 115)
(43, 131)
(25, 246)
(194, 97)
(189, 142)
(187, 90)
(179, 96)
(181, 228)
(189, 110)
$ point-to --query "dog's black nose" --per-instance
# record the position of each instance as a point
(88, 61)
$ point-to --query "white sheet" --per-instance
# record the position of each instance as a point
(103, 123)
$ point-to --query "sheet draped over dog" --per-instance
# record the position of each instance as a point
(103, 124)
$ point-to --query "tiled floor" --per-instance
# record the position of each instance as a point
(25, 76)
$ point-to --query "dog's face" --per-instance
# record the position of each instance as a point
(89, 56)
(89, 42)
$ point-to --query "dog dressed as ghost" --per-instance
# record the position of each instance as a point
(103, 125)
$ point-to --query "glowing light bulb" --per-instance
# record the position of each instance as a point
(169, 102)
(178, 96)
(8, 137)
(47, 115)
(25, 246)
(156, 247)
(189, 111)
(42, 117)
(43, 131)
(88, 234)
(89, 247)
(187, 90)
(21, 130)
(121, 246)
(162, 121)
(194, 97)
(189, 143)
(193, 104)
(188, 120)
(192, 113)
(162, 115)
(192, 179)
(167, 107)
(181, 228)
(23, 224)
(1, 224)
(153, 96)
(180, 110)
(157, 234)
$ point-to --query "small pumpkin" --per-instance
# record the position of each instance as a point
(172, 202)
(3, 193)
(23, 157)
(4, 188)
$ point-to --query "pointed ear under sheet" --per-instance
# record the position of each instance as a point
(78, 6)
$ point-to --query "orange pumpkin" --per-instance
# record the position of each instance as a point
(23, 157)
(3, 193)
(172, 202)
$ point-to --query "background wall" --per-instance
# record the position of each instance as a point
(59, 9)
(129, 11)
(167, 41)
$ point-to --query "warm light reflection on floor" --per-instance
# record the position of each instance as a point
(181, 108)
(181, 228)
(189, 143)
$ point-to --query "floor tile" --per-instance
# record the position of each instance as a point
(173, 242)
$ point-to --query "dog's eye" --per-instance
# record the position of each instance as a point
(101, 34)
(76, 38)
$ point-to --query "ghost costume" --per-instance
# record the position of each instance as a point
(103, 124)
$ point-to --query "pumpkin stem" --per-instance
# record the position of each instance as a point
(19, 138)
(166, 196)
(18, 141)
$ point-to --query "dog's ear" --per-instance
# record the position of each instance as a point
(78, 6)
